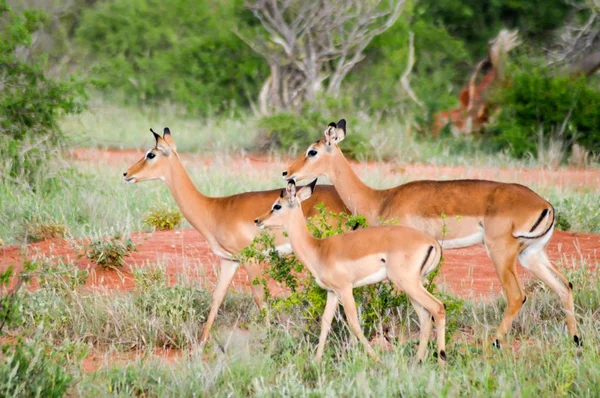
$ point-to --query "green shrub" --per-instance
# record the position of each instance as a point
(109, 252)
(30, 103)
(538, 101)
(163, 218)
(28, 370)
(184, 51)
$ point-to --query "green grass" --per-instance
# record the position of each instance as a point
(276, 358)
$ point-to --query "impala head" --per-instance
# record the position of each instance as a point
(319, 155)
(155, 163)
(288, 200)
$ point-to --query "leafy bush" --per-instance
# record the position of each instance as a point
(183, 50)
(163, 218)
(30, 103)
(109, 252)
(539, 106)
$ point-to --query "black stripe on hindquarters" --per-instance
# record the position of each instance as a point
(544, 212)
(426, 258)
(543, 233)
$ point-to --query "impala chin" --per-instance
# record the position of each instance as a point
(131, 180)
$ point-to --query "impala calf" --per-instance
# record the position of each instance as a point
(340, 263)
(225, 222)
(511, 220)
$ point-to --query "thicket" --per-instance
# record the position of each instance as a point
(539, 106)
(182, 50)
(30, 102)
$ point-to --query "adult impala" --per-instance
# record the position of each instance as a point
(227, 223)
(511, 220)
(339, 263)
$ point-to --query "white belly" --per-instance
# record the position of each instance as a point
(373, 278)
(465, 241)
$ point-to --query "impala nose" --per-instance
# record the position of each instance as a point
(256, 221)
(125, 174)
(284, 173)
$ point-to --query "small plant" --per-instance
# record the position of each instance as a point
(36, 230)
(109, 252)
(562, 222)
(163, 218)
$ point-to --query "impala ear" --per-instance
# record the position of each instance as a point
(156, 136)
(291, 190)
(335, 132)
(306, 191)
(169, 139)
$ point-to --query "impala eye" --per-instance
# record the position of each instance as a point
(277, 207)
(150, 155)
(312, 152)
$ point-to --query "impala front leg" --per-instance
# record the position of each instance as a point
(228, 269)
(253, 271)
(330, 308)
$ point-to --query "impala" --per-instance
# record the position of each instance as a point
(339, 263)
(225, 222)
(512, 221)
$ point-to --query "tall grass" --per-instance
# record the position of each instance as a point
(252, 356)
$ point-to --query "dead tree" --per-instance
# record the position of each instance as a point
(310, 45)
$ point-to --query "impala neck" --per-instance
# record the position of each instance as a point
(196, 207)
(357, 196)
(303, 243)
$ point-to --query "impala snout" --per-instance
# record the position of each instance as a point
(128, 178)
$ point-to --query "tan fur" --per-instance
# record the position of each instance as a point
(460, 212)
(227, 223)
(365, 256)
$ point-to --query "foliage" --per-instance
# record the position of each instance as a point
(30, 103)
(29, 371)
(539, 106)
(109, 252)
(163, 218)
(184, 51)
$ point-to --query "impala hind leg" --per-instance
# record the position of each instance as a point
(327, 318)
(258, 292)
(352, 318)
(228, 269)
(435, 308)
(425, 326)
(539, 264)
(504, 257)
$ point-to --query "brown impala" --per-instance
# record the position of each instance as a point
(227, 223)
(339, 263)
(511, 220)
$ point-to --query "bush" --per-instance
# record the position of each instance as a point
(183, 50)
(539, 106)
(109, 252)
(163, 218)
(30, 103)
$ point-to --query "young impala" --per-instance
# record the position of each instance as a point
(225, 222)
(363, 257)
(511, 220)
